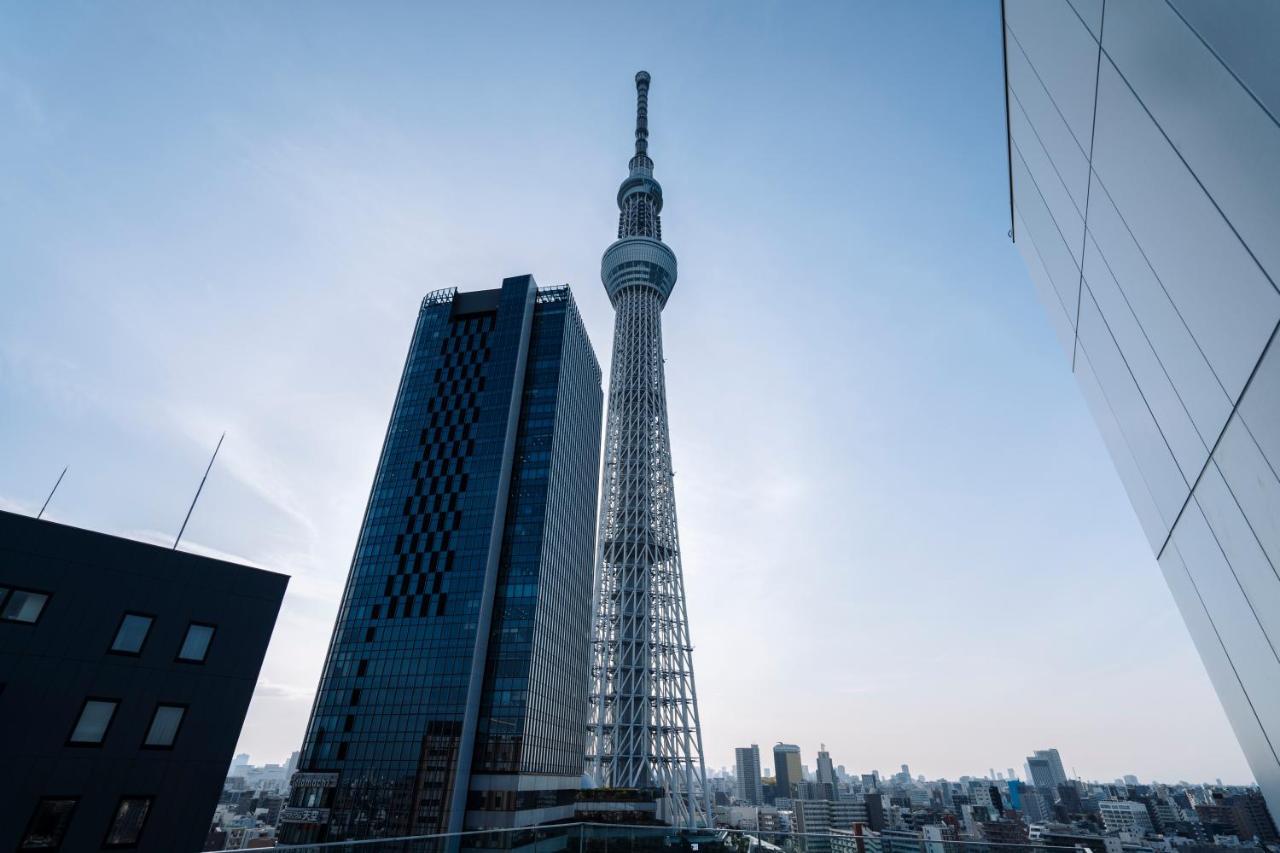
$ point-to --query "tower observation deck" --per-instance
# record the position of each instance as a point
(644, 730)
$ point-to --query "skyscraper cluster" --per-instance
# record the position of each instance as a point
(833, 811)
(478, 637)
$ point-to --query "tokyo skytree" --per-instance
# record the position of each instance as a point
(644, 729)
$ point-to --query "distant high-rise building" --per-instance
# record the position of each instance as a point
(786, 762)
(826, 778)
(1069, 796)
(1144, 154)
(1251, 818)
(1033, 804)
(748, 774)
(454, 694)
(644, 731)
(1055, 764)
(125, 675)
(1045, 770)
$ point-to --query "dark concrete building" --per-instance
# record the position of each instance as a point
(455, 690)
(126, 670)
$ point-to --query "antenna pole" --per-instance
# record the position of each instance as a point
(51, 491)
(199, 489)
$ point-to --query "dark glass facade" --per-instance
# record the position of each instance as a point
(1144, 156)
(113, 732)
(454, 693)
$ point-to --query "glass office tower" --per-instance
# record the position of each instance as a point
(1145, 166)
(454, 695)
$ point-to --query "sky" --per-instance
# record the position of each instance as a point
(902, 534)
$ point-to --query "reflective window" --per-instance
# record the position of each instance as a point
(1090, 11)
(24, 606)
(1064, 272)
(1064, 54)
(1239, 544)
(1066, 212)
(126, 824)
(95, 719)
(1242, 34)
(1142, 435)
(1225, 679)
(131, 634)
(164, 725)
(1188, 446)
(1234, 620)
(1121, 456)
(195, 647)
(48, 824)
(1261, 407)
(1123, 260)
(1253, 482)
(1218, 128)
(1218, 289)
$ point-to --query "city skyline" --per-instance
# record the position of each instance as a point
(291, 316)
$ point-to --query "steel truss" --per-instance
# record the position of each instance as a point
(644, 729)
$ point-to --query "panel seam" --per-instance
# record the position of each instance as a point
(1234, 408)
(1093, 133)
(1223, 62)
(1111, 61)
(1231, 663)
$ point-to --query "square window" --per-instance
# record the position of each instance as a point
(132, 634)
(24, 606)
(195, 647)
(165, 723)
(95, 719)
(48, 824)
(126, 824)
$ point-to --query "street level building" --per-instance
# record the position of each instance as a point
(1125, 816)
(126, 671)
(1144, 158)
(454, 693)
(814, 820)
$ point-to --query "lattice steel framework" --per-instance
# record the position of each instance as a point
(644, 724)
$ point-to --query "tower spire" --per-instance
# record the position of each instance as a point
(642, 116)
(640, 196)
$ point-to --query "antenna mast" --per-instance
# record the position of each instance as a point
(51, 491)
(199, 489)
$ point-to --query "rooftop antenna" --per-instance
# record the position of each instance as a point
(198, 490)
(51, 491)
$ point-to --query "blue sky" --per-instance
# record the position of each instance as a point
(902, 534)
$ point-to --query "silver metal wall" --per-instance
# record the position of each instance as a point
(1145, 159)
